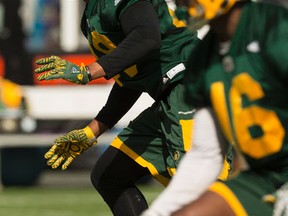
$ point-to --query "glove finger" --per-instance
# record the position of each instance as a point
(51, 152)
(67, 162)
(44, 76)
(52, 160)
(48, 60)
(58, 162)
(46, 67)
(51, 76)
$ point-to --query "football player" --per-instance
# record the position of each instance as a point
(144, 48)
(241, 73)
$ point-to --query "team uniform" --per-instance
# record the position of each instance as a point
(143, 48)
(159, 136)
(245, 81)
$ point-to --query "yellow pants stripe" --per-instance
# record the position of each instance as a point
(117, 143)
(223, 191)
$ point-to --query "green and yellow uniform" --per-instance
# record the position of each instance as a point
(161, 134)
(101, 26)
(246, 83)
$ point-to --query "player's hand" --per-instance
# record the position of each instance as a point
(280, 200)
(54, 67)
(66, 148)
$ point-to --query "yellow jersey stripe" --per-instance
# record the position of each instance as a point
(187, 135)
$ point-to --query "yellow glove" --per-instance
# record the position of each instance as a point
(69, 146)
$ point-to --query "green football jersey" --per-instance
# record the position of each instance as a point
(104, 33)
(247, 86)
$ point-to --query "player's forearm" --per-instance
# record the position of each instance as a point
(119, 102)
(96, 70)
(197, 170)
(97, 127)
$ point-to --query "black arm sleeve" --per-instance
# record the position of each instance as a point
(119, 102)
(140, 24)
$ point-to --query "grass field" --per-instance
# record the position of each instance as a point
(35, 201)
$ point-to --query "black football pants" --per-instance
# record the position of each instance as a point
(114, 176)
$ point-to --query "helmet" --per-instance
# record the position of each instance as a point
(200, 12)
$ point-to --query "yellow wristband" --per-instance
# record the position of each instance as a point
(90, 135)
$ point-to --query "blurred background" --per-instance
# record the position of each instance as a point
(32, 113)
